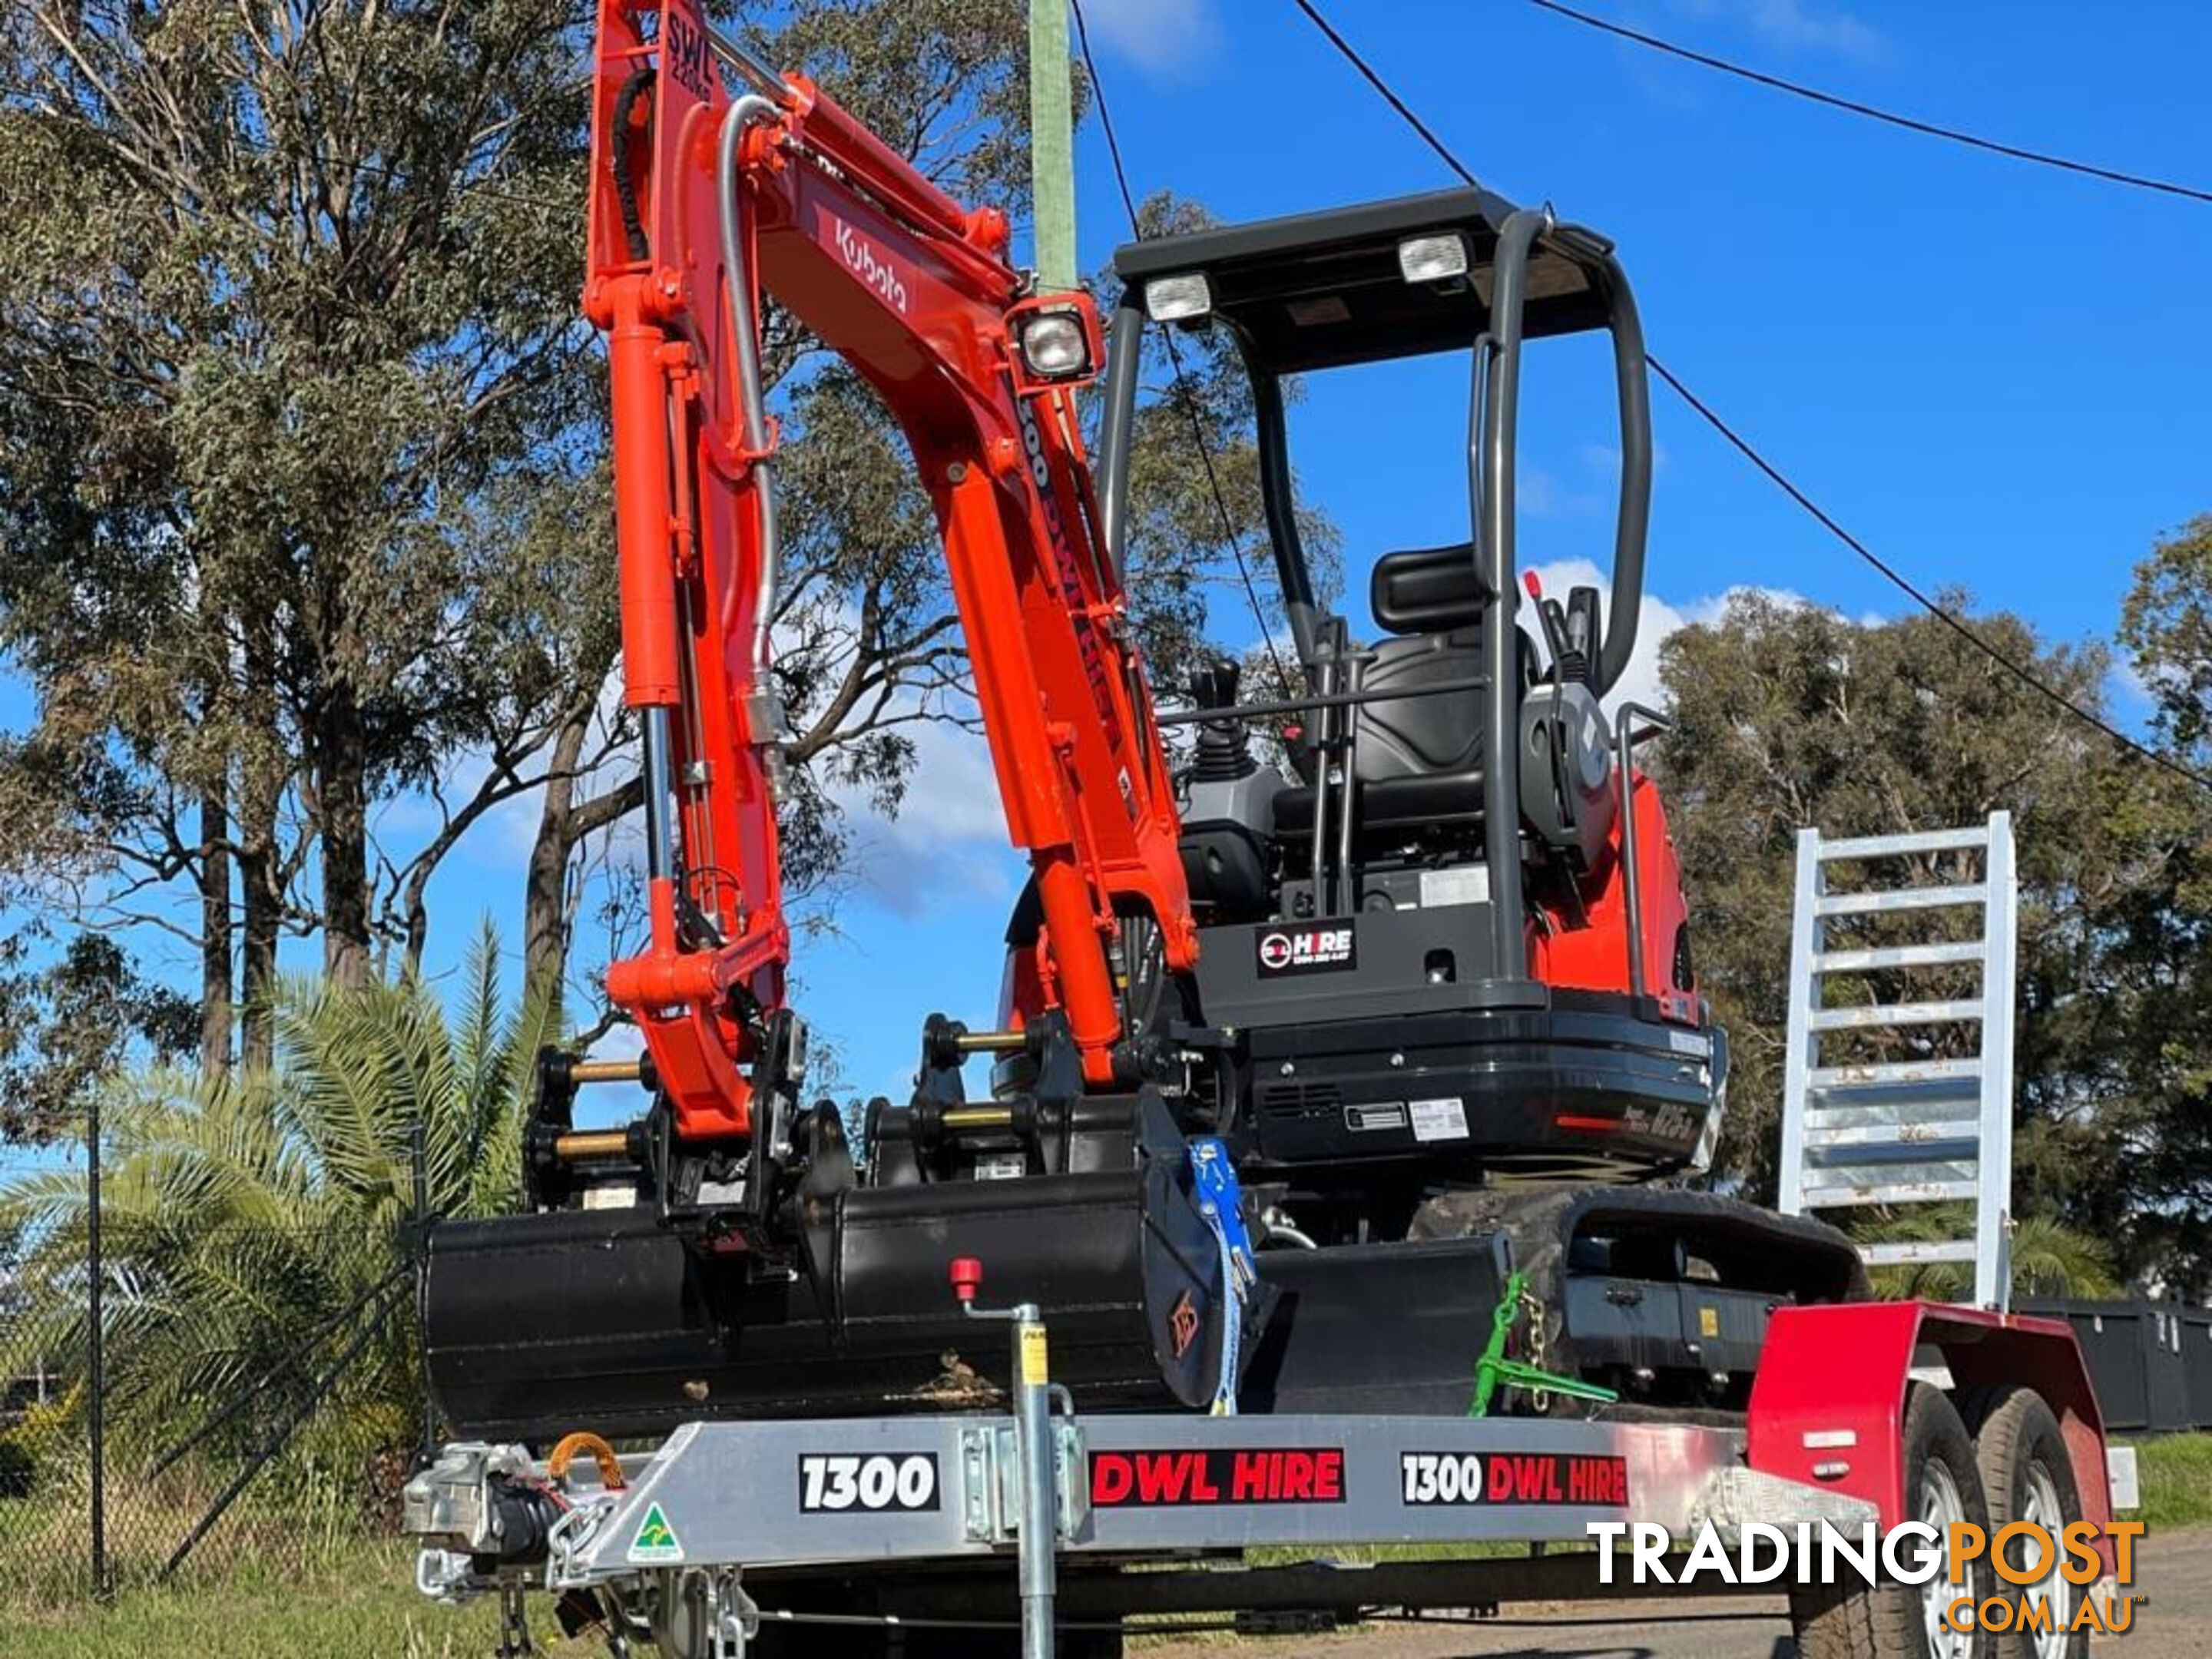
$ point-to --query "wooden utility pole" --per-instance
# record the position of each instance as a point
(1052, 146)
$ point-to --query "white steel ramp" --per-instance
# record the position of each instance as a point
(1896, 1085)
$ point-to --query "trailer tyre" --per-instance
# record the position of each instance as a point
(1942, 1484)
(2027, 1475)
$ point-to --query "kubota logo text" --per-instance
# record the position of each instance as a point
(870, 266)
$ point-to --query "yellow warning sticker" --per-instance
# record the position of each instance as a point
(1037, 1365)
(1709, 1321)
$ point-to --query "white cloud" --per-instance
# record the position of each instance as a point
(1639, 682)
(2125, 685)
(1164, 38)
(622, 1041)
(1803, 28)
(948, 842)
(1542, 494)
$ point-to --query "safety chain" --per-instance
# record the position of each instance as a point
(1533, 1306)
(514, 1642)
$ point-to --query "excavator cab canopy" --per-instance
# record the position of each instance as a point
(1453, 271)
(1359, 284)
(1441, 745)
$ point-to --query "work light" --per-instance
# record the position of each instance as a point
(1433, 258)
(1055, 345)
(1178, 299)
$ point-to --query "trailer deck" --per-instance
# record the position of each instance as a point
(904, 1518)
(720, 1502)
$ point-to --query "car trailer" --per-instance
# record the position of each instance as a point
(891, 1535)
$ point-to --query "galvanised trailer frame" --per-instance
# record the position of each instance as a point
(688, 1542)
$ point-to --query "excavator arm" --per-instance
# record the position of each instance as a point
(714, 181)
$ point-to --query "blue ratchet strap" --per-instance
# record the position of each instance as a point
(1221, 1201)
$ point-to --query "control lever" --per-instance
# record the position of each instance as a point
(1214, 686)
(1569, 666)
(1554, 622)
(1582, 635)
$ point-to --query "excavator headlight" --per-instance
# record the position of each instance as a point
(1433, 258)
(1178, 299)
(1055, 345)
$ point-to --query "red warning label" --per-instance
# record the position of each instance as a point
(1162, 1479)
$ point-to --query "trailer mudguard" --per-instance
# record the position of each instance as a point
(1842, 1370)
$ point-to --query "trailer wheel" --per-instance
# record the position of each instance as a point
(2028, 1476)
(1942, 1484)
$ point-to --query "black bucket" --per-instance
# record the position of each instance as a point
(605, 1319)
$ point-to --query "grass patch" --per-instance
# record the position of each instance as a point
(2175, 1471)
(371, 1612)
(268, 1540)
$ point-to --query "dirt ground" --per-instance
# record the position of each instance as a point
(2174, 1572)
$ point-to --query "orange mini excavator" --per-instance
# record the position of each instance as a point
(1300, 1067)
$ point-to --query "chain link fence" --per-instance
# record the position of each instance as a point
(246, 1402)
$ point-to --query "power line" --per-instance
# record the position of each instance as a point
(1953, 135)
(1185, 396)
(1780, 479)
(1905, 584)
(1383, 87)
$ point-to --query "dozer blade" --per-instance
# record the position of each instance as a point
(603, 1320)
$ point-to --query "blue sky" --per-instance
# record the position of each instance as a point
(1994, 373)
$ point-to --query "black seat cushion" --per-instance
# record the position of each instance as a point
(1418, 766)
(1412, 733)
(1417, 762)
(1426, 590)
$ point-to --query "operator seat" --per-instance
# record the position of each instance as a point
(1417, 761)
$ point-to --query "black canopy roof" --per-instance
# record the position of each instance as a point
(1317, 289)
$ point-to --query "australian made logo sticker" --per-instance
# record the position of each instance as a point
(1306, 949)
(656, 1539)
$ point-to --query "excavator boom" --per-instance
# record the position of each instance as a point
(703, 199)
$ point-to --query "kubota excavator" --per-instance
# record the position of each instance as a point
(1301, 1071)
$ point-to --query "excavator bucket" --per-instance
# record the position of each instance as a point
(605, 1319)
(609, 1320)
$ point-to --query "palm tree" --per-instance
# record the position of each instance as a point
(255, 1225)
(2048, 1259)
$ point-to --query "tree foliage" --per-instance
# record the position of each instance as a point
(301, 476)
(1788, 716)
(2167, 626)
(287, 353)
(2048, 1259)
(254, 1222)
(68, 1023)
